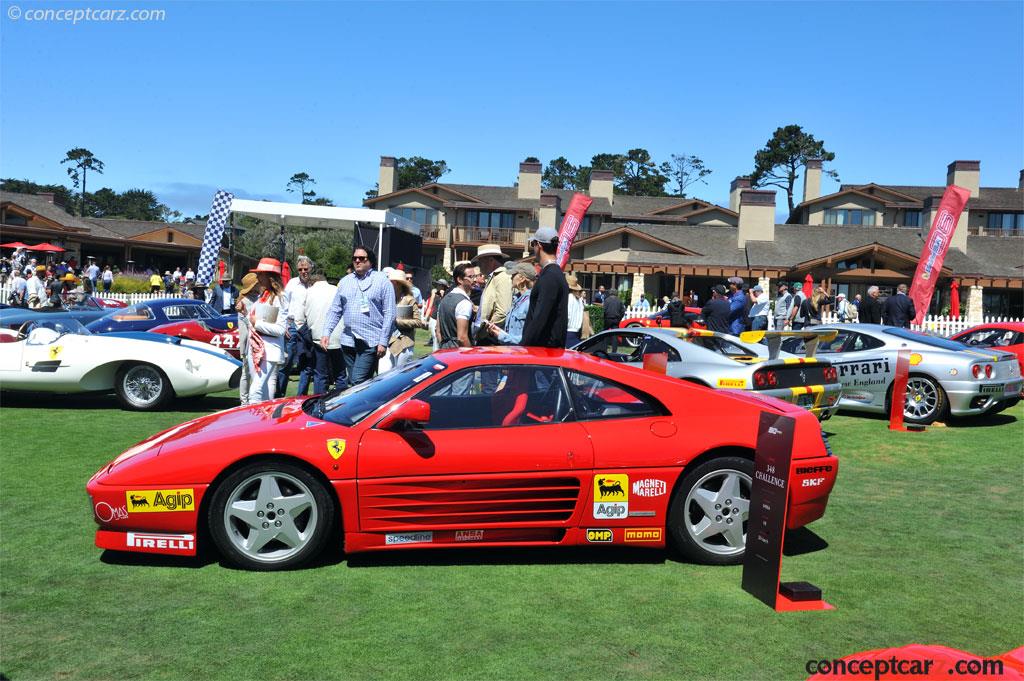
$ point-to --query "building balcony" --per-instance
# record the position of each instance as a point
(434, 233)
(505, 236)
(996, 231)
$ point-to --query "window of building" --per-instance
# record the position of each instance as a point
(170, 237)
(490, 218)
(849, 216)
(1006, 221)
(912, 218)
(12, 219)
(588, 225)
(423, 216)
(625, 240)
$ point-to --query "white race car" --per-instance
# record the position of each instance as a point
(145, 370)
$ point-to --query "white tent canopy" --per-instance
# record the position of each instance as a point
(305, 215)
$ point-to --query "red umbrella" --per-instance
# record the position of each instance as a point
(15, 244)
(46, 247)
(954, 299)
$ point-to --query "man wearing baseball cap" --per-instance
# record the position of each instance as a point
(783, 302)
(716, 310)
(548, 316)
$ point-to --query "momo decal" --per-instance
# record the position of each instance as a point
(160, 500)
(643, 534)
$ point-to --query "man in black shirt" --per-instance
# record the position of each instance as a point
(899, 309)
(716, 311)
(548, 316)
(870, 308)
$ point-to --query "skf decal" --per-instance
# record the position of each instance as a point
(732, 383)
(649, 487)
(599, 536)
(183, 543)
(469, 535)
(160, 500)
(409, 538)
(55, 351)
(811, 482)
(611, 496)
(643, 534)
(336, 448)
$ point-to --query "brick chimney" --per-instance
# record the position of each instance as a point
(757, 216)
(735, 187)
(548, 214)
(966, 174)
(529, 181)
(601, 185)
(386, 181)
(1020, 182)
(50, 197)
(812, 179)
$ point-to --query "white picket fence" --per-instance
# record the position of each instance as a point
(940, 325)
(129, 298)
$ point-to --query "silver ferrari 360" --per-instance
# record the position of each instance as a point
(947, 378)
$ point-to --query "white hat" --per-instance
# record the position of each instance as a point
(489, 249)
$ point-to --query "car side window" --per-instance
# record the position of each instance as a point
(497, 397)
(653, 345)
(862, 342)
(179, 312)
(835, 345)
(618, 347)
(599, 398)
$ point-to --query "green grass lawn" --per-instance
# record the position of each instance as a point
(924, 533)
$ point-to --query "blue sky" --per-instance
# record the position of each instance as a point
(242, 95)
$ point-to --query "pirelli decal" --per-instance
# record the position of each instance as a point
(642, 534)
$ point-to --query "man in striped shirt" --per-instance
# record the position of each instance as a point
(366, 301)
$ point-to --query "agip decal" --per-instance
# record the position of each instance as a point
(611, 496)
(160, 500)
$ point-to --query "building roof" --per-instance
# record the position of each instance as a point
(989, 198)
(42, 206)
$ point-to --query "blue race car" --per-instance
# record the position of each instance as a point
(83, 309)
(145, 316)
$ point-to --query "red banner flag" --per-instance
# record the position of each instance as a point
(571, 226)
(935, 247)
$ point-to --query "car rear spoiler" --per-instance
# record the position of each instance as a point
(774, 340)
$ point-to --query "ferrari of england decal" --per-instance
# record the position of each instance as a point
(611, 496)
(409, 538)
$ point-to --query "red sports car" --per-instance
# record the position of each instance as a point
(194, 329)
(1007, 336)
(663, 322)
(495, 446)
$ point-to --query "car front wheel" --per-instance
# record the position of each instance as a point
(270, 516)
(708, 517)
(142, 387)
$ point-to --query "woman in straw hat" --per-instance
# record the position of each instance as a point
(247, 296)
(577, 311)
(266, 320)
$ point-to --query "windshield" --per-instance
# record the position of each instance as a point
(353, 405)
(934, 341)
(44, 331)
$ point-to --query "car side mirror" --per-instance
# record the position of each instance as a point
(413, 411)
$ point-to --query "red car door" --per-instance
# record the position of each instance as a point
(499, 461)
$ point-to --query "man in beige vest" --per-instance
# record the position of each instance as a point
(496, 300)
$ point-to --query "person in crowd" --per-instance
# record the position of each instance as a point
(899, 309)
(298, 344)
(52, 294)
(856, 301)
(156, 282)
(477, 294)
(266, 320)
(842, 308)
(783, 303)
(718, 310)
(366, 303)
(576, 311)
(644, 304)
(407, 320)
(430, 310)
(798, 313)
(821, 301)
(416, 293)
(168, 282)
(108, 279)
(247, 296)
(599, 296)
(496, 295)
(36, 287)
(19, 290)
(548, 316)
(759, 309)
(674, 312)
(223, 296)
(694, 298)
(316, 302)
(523, 276)
(67, 287)
(455, 312)
(737, 306)
(61, 269)
(614, 310)
(92, 272)
(871, 307)
(190, 278)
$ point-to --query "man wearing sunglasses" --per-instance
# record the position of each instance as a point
(366, 303)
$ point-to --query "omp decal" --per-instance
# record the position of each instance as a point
(649, 487)
(55, 351)
(336, 447)
(469, 535)
(642, 534)
(160, 500)
(170, 542)
(732, 383)
(600, 536)
(409, 538)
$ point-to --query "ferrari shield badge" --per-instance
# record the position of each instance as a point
(336, 448)
(55, 351)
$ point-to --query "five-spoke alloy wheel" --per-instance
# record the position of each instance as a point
(707, 520)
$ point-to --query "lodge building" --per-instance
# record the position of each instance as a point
(862, 235)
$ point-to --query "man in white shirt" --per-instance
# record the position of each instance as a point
(19, 290)
(316, 302)
(298, 343)
(759, 309)
(36, 288)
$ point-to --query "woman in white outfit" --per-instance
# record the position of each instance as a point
(266, 320)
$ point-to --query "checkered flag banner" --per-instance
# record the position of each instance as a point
(210, 252)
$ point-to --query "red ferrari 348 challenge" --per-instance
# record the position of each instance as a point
(471, 447)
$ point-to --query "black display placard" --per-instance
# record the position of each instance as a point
(766, 524)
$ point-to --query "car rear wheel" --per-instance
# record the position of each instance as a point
(925, 401)
(270, 516)
(142, 387)
(707, 520)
